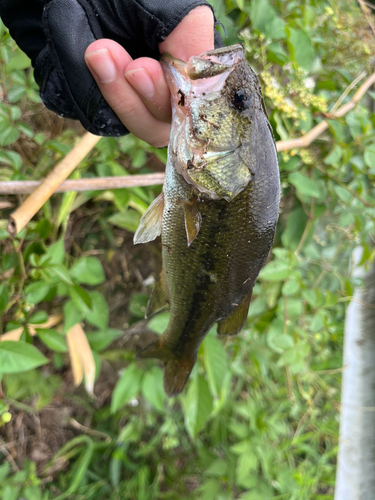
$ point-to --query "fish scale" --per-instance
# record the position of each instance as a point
(214, 243)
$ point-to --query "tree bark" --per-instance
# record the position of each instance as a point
(355, 478)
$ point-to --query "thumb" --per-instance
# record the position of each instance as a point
(193, 36)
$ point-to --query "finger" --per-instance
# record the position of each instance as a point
(108, 62)
(193, 36)
(146, 76)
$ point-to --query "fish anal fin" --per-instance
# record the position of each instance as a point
(193, 219)
(159, 297)
(176, 374)
(155, 350)
(233, 323)
(151, 222)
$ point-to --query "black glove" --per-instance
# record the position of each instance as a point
(56, 33)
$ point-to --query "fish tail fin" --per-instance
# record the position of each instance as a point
(176, 369)
(176, 374)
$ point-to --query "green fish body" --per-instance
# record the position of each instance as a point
(219, 207)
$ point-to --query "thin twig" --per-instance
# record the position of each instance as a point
(96, 184)
(89, 431)
(306, 139)
(344, 186)
(346, 92)
(367, 13)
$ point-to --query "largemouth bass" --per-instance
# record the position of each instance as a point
(219, 207)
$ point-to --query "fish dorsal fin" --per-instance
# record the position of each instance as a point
(151, 221)
(159, 297)
(233, 323)
(193, 219)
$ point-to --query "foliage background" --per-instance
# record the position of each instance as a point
(259, 417)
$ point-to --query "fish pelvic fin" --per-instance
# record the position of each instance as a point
(151, 222)
(234, 323)
(176, 369)
(193, 219)
(159, 298)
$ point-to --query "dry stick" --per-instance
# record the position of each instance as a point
(42, 193)
(38, 197)
(98, 183)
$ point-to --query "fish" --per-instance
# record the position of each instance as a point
(218, 209)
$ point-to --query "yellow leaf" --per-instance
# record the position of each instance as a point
(52, 321)
(81, 357)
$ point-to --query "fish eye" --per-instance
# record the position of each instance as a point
(242, 101)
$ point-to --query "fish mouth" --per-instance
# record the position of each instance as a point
(209, 64)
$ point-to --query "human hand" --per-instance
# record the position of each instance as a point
(136, 89)
(56, 33)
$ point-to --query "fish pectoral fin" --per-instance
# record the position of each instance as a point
(233, 323)
(151, 221)
(176, 369)
(193, 219)
(159, 298)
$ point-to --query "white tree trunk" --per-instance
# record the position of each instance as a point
(355, 478)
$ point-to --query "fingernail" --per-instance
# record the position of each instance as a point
(102, 65)
(142, 82)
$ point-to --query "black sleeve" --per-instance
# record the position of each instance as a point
(24, 20)
(56, 33)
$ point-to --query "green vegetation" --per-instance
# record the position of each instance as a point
(259, 417)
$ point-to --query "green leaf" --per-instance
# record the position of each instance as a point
(152, 388)
(334, 156)
(72, 315)
(215, 362)
(304, 184)
(60, 271)
(369, 156)
(261, 14)
(4, 297)
(88, 270)
(16, 93)
(197, 405)
(218, 468)
(295, 226)
(99, 314)
(291, 286)
(9, 136)
(128, 220)
(137, 305)
(55, 253)
(247, 462)
(127, 387)
(275, 270)
(53, 339)
(38, 318)
(300, 47)
(17, 357)
(209, 490)
(37, 291)
(66, 206)
(159, 322)
(18, 61)
(102, 339)
(81, 298)
(276, 339)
